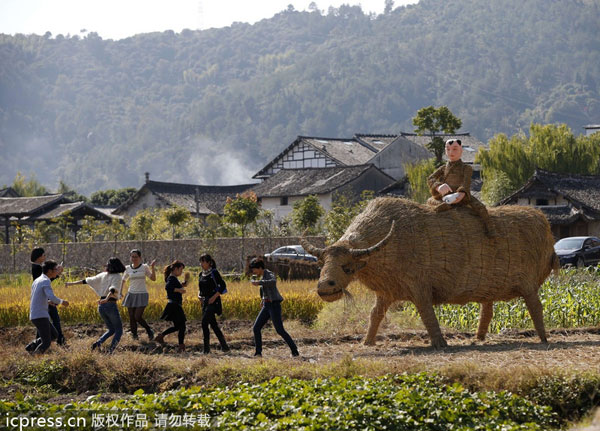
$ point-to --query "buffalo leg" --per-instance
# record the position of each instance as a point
(535, 310)
(425, 308)
(485, 316)
(377, 315)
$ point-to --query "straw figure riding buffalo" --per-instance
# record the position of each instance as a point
(404, 251)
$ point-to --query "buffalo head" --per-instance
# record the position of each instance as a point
(340, 263)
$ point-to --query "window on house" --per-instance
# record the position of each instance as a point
(541, 202)
(283, 201)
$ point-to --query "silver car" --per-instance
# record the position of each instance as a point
(290, 252)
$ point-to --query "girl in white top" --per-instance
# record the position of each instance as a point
(136, 300)
(107, 286)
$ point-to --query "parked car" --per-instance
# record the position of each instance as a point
(290, 252)
(578, 251)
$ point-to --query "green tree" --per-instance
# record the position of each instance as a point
(389, 7)
(417, 174)
(496, 186)
(64, 227)
(344, 208)
(115, 232)
(42, 232)
(212, 226)
(89, 231)
(28, 187)
(175, 217)
(19, 241)
(306, 213)
(242, 211)
(550, 147)
(140, 225)
(430, 121)
(69, 193)
(264, 226)
(112, 197)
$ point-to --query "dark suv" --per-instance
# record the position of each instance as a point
(578, 251)
(290, 252)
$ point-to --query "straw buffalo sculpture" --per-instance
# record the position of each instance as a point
(404, 251)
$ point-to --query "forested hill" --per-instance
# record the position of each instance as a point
(212, 106)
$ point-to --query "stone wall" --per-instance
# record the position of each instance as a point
(227, 252)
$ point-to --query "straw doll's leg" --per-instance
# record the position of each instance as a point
(480, 210)
(485, 316)
(534, 306)
(425, 309)
(377, 315)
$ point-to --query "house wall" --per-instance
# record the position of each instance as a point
(225, 251)
(371, 180)
(281, 211)
(147, 200)
(301, 155)
(392, 158)
(594, 228)
(531, 201)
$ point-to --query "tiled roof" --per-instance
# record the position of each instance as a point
(378, 142)
(212, 199)
(346, 151)
(398, 188)
(580, 190)
(9, 192)
(342, 151)
(105, 210)
(72, 207)
(561, 214)
(59, 210)
(363, 147)
(311, 181)
(22, 207)
(469, 143)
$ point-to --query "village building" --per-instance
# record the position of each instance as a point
(389, 153)
(570, 202)
(591, 129)
(8, 192)
(199, 200)
(280, 191)
(469, 143)
(26, 211)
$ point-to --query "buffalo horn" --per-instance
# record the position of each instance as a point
(358, 252)
(315, 251)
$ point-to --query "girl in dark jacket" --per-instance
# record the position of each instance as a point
(174, 309)
(211, 287)
(271, 306)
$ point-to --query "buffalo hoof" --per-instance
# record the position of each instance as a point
(439, 343)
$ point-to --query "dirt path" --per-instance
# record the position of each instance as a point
(572, 349)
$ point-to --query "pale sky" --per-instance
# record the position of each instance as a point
(117, 19)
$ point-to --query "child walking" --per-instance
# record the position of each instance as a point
(174, 309)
